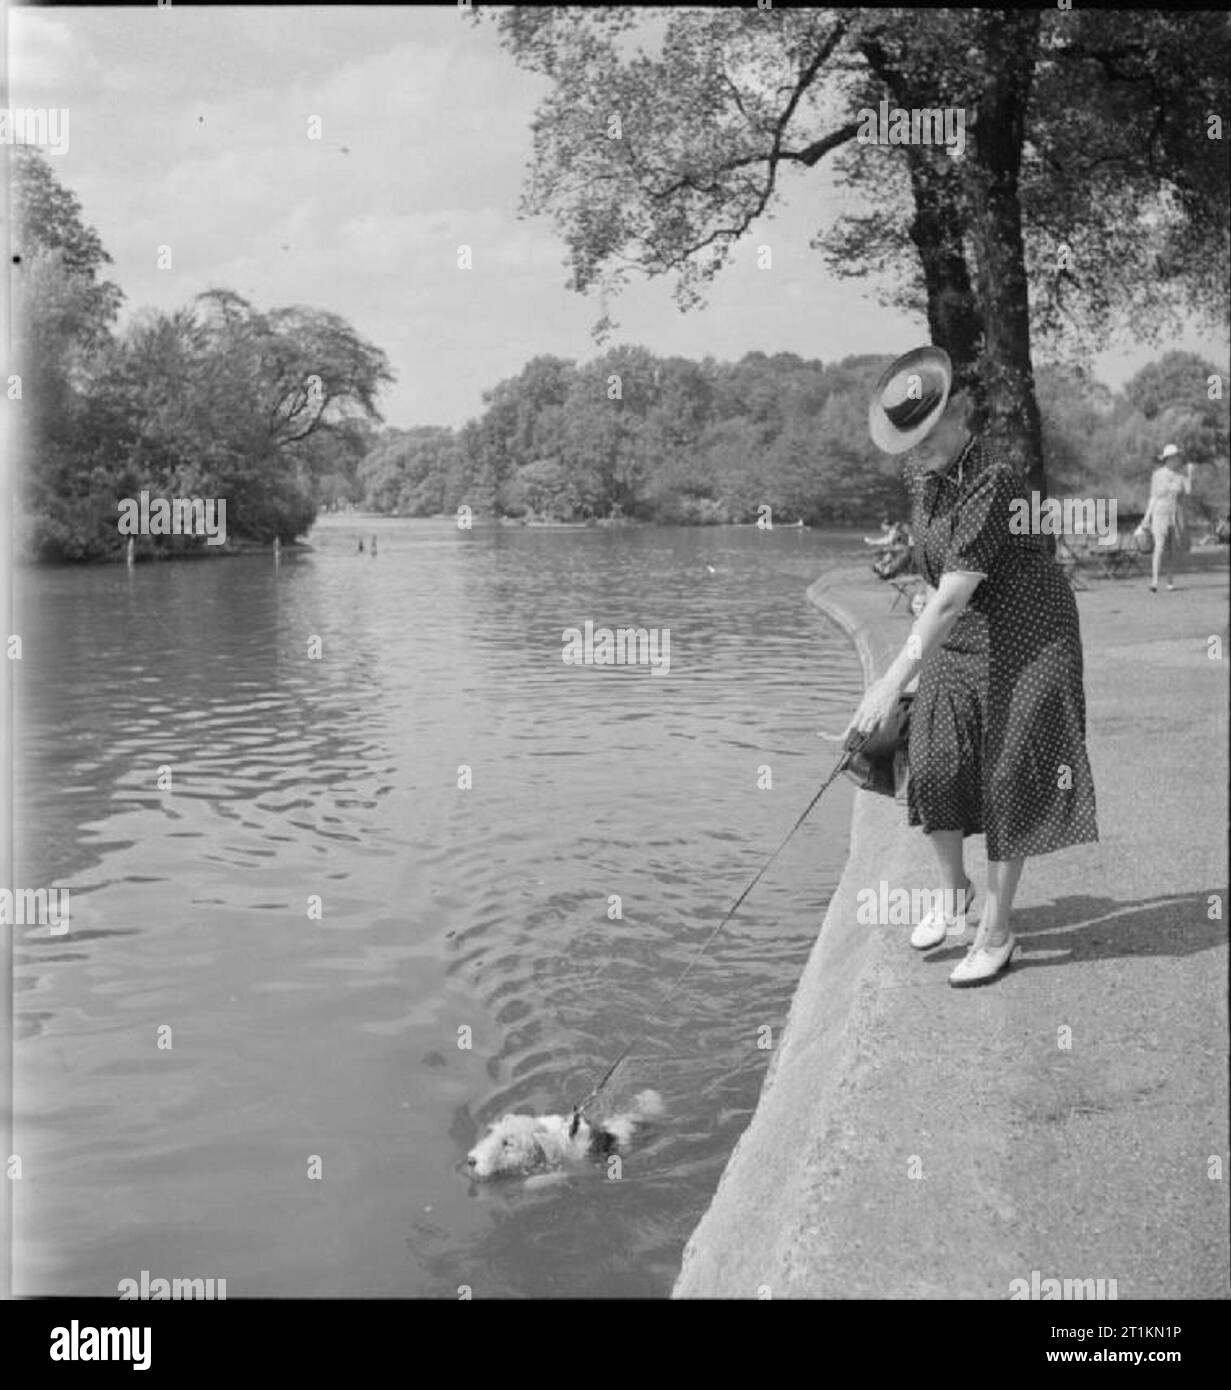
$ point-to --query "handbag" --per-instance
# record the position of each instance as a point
(1143, 539)
(882, 763)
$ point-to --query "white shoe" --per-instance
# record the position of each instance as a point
(983, 963)
(937, 924)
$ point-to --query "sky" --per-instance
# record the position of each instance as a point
(189, 128)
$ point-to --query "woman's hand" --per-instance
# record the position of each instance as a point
(879, 701)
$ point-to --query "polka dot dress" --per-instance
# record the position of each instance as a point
(998, 728)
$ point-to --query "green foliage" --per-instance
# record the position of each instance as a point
(270, 411)
(1120, 168)
(1102, 445)
(410, 472)
(47, 227)
(697, 443)
(664, 136)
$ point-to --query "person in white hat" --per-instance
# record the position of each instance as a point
(998, 726)
(1165, 512)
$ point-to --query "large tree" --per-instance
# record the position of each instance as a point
(222, 399)
(659, 163)
(63, 304)
(218, 399)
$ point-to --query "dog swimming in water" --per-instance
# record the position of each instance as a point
(523, 1145)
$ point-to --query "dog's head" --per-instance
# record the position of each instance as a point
(513, 1144)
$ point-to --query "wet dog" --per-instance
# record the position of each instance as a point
(522, 1145)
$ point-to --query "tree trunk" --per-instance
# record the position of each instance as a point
(1014, 425)
(985, 327)
(936, 229)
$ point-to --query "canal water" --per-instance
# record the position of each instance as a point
(217, 1079)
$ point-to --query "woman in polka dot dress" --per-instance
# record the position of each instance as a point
(997, 740)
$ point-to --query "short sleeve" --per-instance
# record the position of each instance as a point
(981, 525)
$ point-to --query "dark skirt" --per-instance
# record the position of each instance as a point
(998, 729)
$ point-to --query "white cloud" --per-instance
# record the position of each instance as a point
(39, 57)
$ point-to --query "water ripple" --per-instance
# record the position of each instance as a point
(354, 907)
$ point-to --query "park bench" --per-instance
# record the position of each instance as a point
(895, 566)
(1072, 560)
(1119, 560)
(906, 586)
(1122, 559)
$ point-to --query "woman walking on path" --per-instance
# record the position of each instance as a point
(997, 736)
(1165, 512)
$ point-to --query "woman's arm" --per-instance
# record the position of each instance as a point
(945, 606)
(1187, 480)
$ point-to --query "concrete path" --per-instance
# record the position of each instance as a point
(1071, 1118)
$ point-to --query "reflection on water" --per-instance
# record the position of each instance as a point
(286, 913)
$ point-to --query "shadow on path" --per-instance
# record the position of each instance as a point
(1083, 928)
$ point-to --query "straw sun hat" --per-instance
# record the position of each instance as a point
(909, 398)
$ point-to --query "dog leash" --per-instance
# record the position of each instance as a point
(854, 743)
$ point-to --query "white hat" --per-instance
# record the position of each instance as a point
(1170, 452)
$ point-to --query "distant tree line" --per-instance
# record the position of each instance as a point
(276, 411)
(671, 440)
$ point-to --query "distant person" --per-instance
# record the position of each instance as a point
(895, 556)
(1166, 514)
(893, 534)
(361, 545)
(373, 545)
(1000, 709)
(895, 561)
